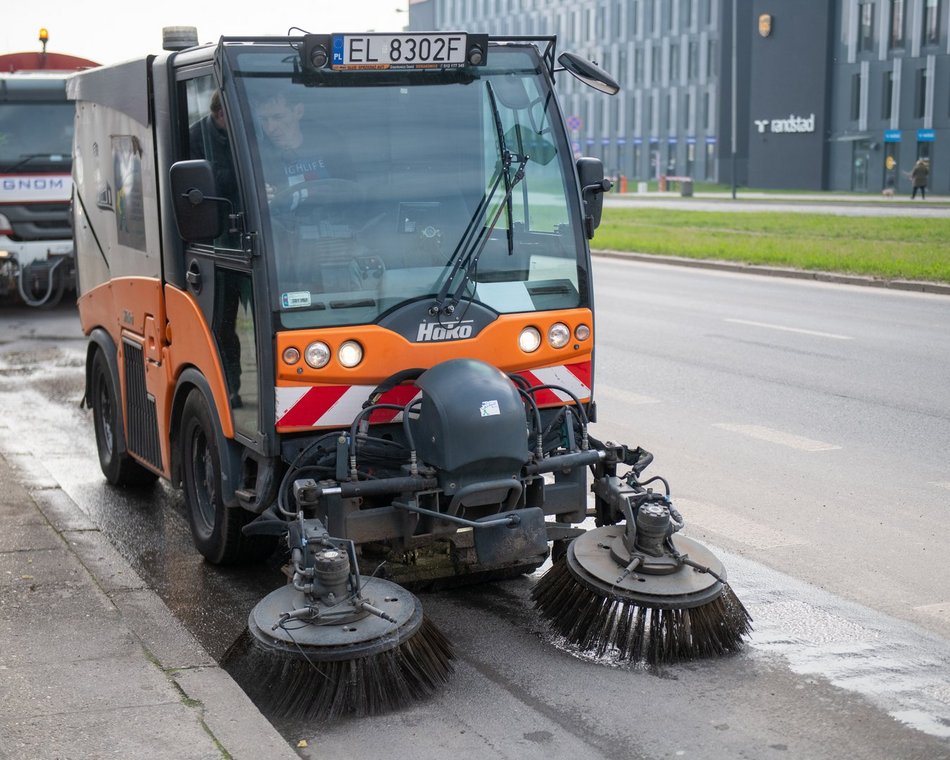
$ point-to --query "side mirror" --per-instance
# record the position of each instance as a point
(590, 172)
(589, 73)
(197, 210)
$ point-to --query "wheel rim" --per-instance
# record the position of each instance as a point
(104, 417)
(204, 488)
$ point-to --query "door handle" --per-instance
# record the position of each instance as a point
(193, 276)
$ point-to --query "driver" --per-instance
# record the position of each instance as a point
(292, 159)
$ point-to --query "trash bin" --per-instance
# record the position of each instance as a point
(686, 188)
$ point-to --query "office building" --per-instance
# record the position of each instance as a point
(830, 94)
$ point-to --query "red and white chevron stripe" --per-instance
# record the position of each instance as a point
(326, 406)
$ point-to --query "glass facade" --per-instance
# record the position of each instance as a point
(663, 53)
(888, 71)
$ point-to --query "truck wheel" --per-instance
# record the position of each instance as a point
(215, 528)
(119, 468)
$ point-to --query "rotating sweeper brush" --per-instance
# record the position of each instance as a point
(334, 642)
(637, 589)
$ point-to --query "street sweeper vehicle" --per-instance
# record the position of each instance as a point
(338, 289)
(36, 136)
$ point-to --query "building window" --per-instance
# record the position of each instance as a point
(855, 97)
(865, 26)
(655, 63)
(931, 30)
(711, 62)
(638, 66)
(707, 12)
(897, 23)
(633, 13)
(692, 60)
(656, 17)
(887, 94)
(920, 94)
(674, 63)
(707, 111)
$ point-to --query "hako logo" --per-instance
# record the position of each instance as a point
(792, 125)
(434, 331)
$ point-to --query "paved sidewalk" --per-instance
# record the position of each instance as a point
(92, 663)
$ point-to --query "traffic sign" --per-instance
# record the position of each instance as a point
(574, 122)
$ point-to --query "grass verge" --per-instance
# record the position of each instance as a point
(888, 247)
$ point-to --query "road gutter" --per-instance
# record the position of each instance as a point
(837, 278)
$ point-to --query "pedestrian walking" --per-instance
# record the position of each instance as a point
(919, 176)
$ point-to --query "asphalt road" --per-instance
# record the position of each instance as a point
(804, 430)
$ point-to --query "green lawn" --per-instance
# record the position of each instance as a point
(888, 247)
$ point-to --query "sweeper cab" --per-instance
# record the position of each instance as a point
(337, 288)
(36, 136)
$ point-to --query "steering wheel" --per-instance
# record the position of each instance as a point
(318, 191)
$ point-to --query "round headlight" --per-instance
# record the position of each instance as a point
(291, 355)
(559, 335)
(529, 340)
(582, 332)
(350, 353)
(317, 354)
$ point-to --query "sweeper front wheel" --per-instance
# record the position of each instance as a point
(364, 665)
(667, 609)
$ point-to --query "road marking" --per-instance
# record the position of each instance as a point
(738, 527)
(625, 396)
(940, 610)
(777, 436)
(833, 336)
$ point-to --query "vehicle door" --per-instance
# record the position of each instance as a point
(219, 273)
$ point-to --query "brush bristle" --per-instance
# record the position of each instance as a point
(600, 624)
(286, 686)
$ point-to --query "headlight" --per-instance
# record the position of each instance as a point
(291, 355)
(350, 353)
(559, 335)
(529, 340)
(582, 332)
(317, 354)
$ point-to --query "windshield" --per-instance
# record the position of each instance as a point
(372, 179)
(36, 136)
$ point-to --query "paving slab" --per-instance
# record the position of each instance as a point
(170, 731)
(92, 662)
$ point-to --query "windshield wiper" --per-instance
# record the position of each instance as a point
(471, 245)
(27, 157)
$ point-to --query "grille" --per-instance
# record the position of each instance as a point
(140, 411)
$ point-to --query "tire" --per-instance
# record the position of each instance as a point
(119, 468)
(215, 528)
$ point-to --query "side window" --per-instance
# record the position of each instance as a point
(207, 138)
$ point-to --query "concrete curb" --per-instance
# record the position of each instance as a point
(221, 709)
(797, 274)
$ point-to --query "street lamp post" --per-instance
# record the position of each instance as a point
(735, 69)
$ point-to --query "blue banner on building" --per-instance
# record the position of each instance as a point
(926, 135)
(892, 135)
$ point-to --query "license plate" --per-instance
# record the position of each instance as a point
(403, 51)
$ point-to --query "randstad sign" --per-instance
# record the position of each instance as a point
(791, 125)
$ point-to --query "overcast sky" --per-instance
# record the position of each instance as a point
(108, 31)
